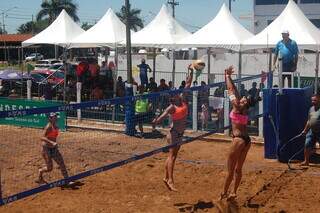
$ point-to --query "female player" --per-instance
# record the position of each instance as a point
(50, 149)
(241, 140)
(178, 109)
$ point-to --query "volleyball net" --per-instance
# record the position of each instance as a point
(97, 136)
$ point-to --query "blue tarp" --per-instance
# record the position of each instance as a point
(289, 113)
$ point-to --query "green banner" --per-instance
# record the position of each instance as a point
(304, 81)
(36, 120)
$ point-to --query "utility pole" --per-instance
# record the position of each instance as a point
(4, 12)
(32, 25)
(230, 3)
(173, 4)
(128, 39)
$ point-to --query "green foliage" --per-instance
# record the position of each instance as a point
(134, 17)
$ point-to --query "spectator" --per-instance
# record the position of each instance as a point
(163, 101)
(219, 92)
(97, 93)
(144, 68)
(183, 85)
(261, 87)
(47, 93)
(254, 92)
(152, 86)
(13, 94)
(103, 69)
(204, 116)
(203, 94)
(171, 87)
(120, 87)
(243, 92)
(94, 69)
(163, 86)
(195, 83)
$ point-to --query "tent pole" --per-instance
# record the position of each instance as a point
(115, 76)
(173, 67)
(317, 73)
(65, 73)
(154, 64)
(240, 68)
(56, 51)
(209, 64)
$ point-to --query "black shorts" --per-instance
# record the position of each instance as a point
(52, 152)
(246, 138)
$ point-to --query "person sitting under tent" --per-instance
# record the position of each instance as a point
(312, 129)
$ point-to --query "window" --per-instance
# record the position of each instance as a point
(271, 2)
(309, 1)
(316, 22)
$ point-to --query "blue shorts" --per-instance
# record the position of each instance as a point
(311, 139)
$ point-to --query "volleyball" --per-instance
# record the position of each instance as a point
(198, 65)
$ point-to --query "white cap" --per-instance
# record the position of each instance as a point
(285, 32)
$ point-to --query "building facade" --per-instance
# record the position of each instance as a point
(265, 11)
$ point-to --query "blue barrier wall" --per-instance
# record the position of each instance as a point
(289, 113)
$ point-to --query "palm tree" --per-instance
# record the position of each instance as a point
(33, 27)
(134, 20)
(86, 26)
(52, 8)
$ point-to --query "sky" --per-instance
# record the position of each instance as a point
(192, 14)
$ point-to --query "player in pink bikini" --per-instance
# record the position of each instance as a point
(241, 140)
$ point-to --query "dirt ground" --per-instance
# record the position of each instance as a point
(267, 186)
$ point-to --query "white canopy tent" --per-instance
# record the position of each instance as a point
(292, 18)
(300, 28)
(224, 31)
(61, 32)
(107, 32)
(162, 31)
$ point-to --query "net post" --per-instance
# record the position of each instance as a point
(79, 87)
(226, 112)
(195, 110)
(29, 89)
(129, 112)
(280, 73)
(261, 112)
(1, 201)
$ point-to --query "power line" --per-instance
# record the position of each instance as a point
(173, 4)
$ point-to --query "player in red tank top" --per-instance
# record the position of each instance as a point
(50, 149)
(178, 110)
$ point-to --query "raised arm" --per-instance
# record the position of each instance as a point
(232, 90)
(190, 77)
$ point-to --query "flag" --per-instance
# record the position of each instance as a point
(263, 76)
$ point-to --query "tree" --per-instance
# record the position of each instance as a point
(33, 27)
(134, 20)
(86, 26)
(52, 8)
